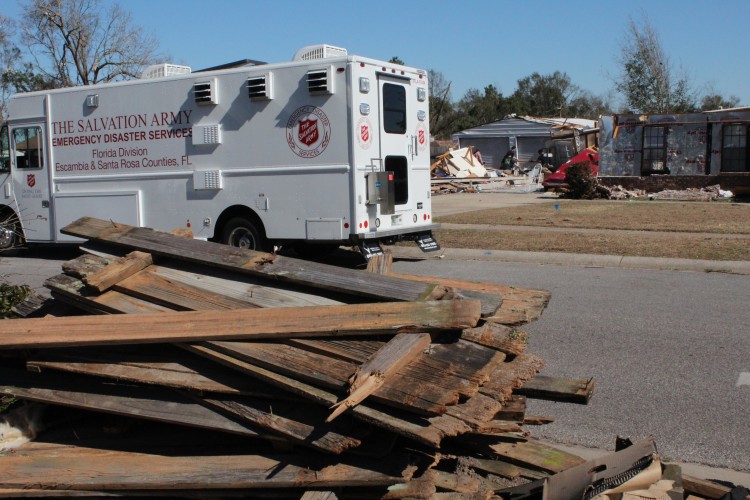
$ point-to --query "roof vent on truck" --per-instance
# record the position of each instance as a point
(322, 51)
(162, 70)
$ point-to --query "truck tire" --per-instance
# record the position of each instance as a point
(10, 234)
(242, 233)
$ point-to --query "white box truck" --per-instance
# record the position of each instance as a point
(329, 149)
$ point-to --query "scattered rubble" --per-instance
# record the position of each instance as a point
(188, 368)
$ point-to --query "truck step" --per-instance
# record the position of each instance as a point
(427, 242)
(369, 248)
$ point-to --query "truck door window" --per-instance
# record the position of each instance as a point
(394, 108)
(4, 151)
(28, 147)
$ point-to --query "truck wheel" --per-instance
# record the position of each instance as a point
(240, 232)
(10, 236)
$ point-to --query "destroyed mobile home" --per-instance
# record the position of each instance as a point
(206, 370)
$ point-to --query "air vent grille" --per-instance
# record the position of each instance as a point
(205, 92)
(260, 87)
(319, 81)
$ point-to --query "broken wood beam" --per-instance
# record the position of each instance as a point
(375, 372)
(276, 267)
(566, 390)
(240, 324)
(117, 271)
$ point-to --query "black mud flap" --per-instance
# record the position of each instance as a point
(427, 242)
(369, 248)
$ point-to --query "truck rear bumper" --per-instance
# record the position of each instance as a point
(377, 235)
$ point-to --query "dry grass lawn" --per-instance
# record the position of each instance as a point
(696, 217)
(682, 221)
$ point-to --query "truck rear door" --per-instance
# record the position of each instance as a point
(30, 173)
(397, 144)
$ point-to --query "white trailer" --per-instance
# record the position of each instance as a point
(328, 149)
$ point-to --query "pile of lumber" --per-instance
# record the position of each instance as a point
(188, 367)
(459, 164)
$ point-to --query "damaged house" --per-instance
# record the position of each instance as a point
(701, 148)
(562, 138)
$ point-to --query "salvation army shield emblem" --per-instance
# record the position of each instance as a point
(365, 131)
(421, 136)
(31, 180)
(308, 132)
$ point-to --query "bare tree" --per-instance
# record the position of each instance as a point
(648, 80)
(77, 42)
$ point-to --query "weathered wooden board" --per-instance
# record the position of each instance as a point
(300, 423)
(166, 366)
(403, 424)
(519, 305)
(75, 468)
(558, 389)
(512, 376)
(503, 338)
(149, 403)
(72, 291)
(148, 285)
(528, 453)
(383, 365)
(334, 375)
(364, 319)
(115, 272)
(284, 269)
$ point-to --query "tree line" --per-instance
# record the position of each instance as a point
(62, 43)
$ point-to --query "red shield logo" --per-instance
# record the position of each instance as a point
(31, 180)
(365, 132)
(308, 132)
(421, 136)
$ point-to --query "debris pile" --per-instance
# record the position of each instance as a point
(204, 370)
(459, 164)
(709, 193)
(259, 372)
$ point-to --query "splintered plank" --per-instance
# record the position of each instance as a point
(503, 338)
(456, 367)
(405, 425)
(165, 366)
(149, 403)
(513, 409)
(511, 376)
(558, 389)
(382, 365)
(115, 272)
(519, 305)
(299, 423)
(357, 319)
(334, 374)
(75, 468)
(284, 269)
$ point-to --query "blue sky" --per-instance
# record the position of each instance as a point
(473, 43)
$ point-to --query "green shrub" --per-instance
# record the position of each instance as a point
(581, 181)
(10, 295)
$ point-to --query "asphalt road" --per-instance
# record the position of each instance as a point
(667, 351)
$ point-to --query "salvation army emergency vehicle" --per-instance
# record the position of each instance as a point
(328, 149)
